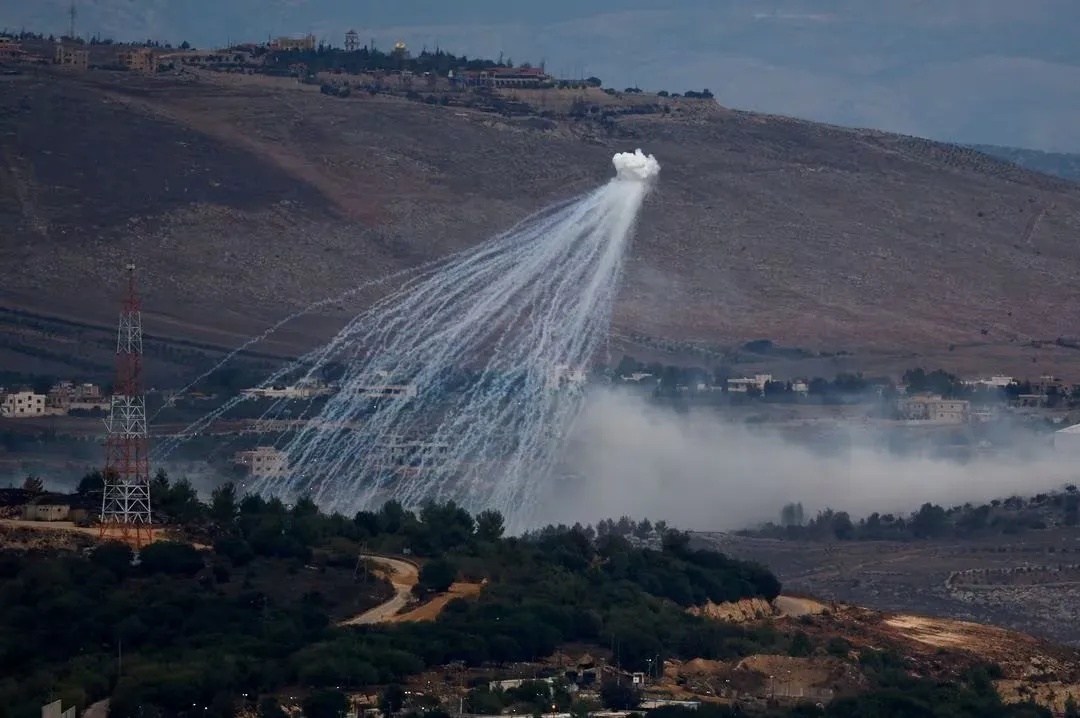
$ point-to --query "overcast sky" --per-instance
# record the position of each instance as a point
(981, 71)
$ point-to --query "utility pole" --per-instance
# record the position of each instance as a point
(71, 16)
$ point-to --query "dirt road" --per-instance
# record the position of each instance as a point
(402, 575)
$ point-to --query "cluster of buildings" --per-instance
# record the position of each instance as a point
(76, 56)
(63, 398)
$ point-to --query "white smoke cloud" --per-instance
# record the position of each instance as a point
(636, 166)
(699, 472)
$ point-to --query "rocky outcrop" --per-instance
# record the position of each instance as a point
(749, 609)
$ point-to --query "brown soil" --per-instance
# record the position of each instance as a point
(244, 202)
(431, 609)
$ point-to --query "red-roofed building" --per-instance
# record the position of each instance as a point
(10, 50)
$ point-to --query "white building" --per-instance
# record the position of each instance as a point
(385, 388)
(300, 390)
(411, 454)
(263, 462)
(994, 382)
(743, 384)
(934, 409)
(22, 404)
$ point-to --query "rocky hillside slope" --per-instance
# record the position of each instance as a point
(245, 199)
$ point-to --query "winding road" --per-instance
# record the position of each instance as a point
(403, 575)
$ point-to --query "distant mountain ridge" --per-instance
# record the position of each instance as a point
(1060, 164)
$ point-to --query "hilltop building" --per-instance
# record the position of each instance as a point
(352, 41)
(263, 462)
(522, 77)
(286, 44)
(71, 58)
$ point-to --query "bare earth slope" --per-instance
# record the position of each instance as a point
(246, 200)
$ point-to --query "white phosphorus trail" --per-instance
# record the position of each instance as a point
(455, 387)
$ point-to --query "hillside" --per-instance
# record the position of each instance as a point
(1061, 164)
(256, 621)
(244, 199)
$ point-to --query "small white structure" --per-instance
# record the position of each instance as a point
(743, 384)
(994, 382)
(22, 404)
(300, 390)
(386, 388)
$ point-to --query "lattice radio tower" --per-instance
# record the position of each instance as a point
(125, 502)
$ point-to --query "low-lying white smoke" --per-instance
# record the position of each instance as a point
(699, 472)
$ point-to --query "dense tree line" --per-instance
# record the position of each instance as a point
(1008, 516)
(183, 632)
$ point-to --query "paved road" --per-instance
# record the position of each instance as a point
(402, 576)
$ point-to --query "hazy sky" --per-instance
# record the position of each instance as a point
(981, 71)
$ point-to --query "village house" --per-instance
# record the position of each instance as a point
(300, 390)
(743, 384)
(71, 58)
(11, 50)
(138, 59)
(68, 396)
(21, 404)
(48, 507)
(263, 462)
(934, 409)
(523, 77)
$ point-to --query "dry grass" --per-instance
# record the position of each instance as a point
(243, 201)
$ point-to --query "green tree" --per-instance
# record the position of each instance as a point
(171, 557)
(437, 575)
(619, 695)
(269, 707)
(800, 645)
(489, 525)
(1072, 710)
(325, 704)
(393, 700)
(223, 504)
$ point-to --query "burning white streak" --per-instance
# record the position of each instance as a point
(519, 306)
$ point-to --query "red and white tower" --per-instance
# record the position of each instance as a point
(125, 503)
